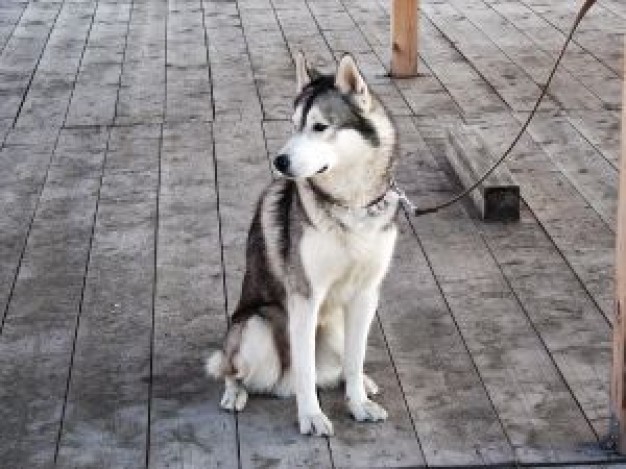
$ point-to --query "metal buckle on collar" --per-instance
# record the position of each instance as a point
(404, 200)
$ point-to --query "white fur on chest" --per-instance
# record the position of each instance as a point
(338, 262)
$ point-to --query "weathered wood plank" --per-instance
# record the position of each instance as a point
(565, 89)
(301, 33)
(188, 81)
(454, 418)
(601, 129)
(97, 85)
(575, 228)
(560, 309)
(188, 429)
(510, 81)
(538, 412)
(106, 416)
(23, 164)
(615, 6)
(11, 15)
(618, 381)
(235, 95)
(36, 341)
(142, 88)
(272, 65)
(599, 33)
(268, 434)
(592, 176)
(404, 34)
(603, 81)
(385, 444)
(22, 54)
(48, 97)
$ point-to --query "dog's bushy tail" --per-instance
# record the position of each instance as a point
(217, 365)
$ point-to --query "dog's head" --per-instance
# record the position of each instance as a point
(338, 123)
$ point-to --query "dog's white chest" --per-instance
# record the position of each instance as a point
(349, 260)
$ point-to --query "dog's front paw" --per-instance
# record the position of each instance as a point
(234, 398)
(367, 411)
(315, 424)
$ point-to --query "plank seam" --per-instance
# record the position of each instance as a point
(223, 266)
(461, 336)
(531, 323)
(154, 297)
(208, 57)
(550, 92)
(32, 75)
(123, 61)
(17, 22)
(254, 78)
(80, 303)
(595, 147)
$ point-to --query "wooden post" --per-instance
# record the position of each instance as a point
(404, 38)
(618, 388)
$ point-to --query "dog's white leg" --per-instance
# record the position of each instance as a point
(359, 314)
(302, 325)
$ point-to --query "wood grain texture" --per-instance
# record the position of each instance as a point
(187, 427)
(518, 373)
(106, 416)
(37, 338)
(97, 85)
(141, 98)
(575, 228)
(188, 93)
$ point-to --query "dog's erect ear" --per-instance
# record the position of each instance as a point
(304, 74)
(350, 80)
(303, 77)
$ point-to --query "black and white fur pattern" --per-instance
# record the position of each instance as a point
(319, 246)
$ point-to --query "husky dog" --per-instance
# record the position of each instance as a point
(319, 246)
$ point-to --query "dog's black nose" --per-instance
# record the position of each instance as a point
(281, 163)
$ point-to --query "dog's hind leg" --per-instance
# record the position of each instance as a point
(249, 362)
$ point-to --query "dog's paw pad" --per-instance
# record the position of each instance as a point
(316, 424)
(234, 399)
(371, 388)
(367, 411)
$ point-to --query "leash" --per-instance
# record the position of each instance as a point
(418, 212)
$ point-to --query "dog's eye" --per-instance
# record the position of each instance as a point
(319, 127)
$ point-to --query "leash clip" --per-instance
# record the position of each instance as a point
(404, 200)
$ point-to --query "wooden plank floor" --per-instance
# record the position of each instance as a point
(134, 141)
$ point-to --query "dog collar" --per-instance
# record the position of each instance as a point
(373, 208)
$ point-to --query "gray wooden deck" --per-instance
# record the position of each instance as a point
(134, 141)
